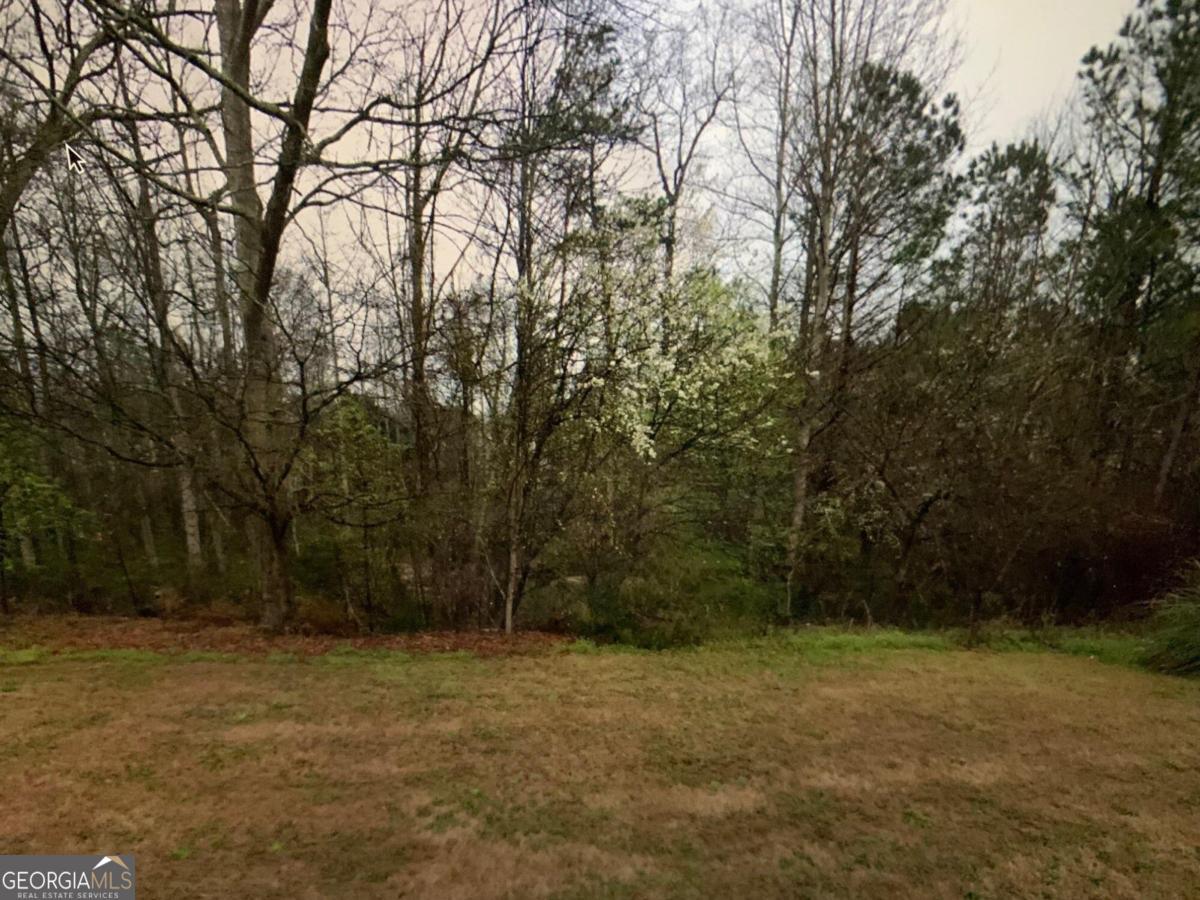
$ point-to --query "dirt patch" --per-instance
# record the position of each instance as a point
(194, 636)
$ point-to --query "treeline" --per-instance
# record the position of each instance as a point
(634, 321)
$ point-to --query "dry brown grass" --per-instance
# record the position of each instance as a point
(752, 771)
(75, 632)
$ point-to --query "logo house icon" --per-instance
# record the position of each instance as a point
(113, 874)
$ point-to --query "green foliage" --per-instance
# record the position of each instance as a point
(23, 656)
(1174, 634)
(904, 143)
(30, 502)
(1142, 105)
(975, 398)
(352, 471)
(352, 478)
(680, 596)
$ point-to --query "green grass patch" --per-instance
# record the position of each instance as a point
(31, 655)
(347, 655)
(783, 650)
(1110, 646)
(117, 656)
(23, 657)
(814, 645)
(1116, 649)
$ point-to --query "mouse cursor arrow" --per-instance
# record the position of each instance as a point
(74, 159)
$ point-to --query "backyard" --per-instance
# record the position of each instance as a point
(816, 763)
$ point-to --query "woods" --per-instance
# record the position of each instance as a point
(633, 321)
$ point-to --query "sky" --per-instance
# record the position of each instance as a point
(1019, 57)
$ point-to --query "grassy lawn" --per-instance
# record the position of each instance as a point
(825, 764)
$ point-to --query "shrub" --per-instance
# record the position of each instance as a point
(1173, 643)
(683, 594)
(560, 605)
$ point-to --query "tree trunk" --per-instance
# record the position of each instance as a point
(515, 560)
(3, 560)
(1182, 420)
(166, 374)
(220, 294)
(810, 360)
(418, 316)
(35, 327)
(258, 233)
(28, 553)
(278, 596)
(783, 125)
(149, 545)
(218, 544)
(18, 329)
(191, 523)
(799, 508)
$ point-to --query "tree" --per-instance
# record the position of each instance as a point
(1141, 193)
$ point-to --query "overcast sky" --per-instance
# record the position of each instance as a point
(1019, 57)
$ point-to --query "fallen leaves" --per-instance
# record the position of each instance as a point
(74, 632)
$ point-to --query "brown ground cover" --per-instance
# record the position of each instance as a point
(189, 635)
(777, 768)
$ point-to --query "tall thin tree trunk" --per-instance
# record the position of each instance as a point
(810, 361)
(514, 569)
(3, 560)
(191, 523)
(218, 545)
(800, 471)
(18, 329)
(28, 552)
(156, 287)
(149, 545)
(278, 592)
(1183, 418)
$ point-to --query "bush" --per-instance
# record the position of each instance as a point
(560, 605)
(682, 595)
(644, 614)
(1173, 643)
